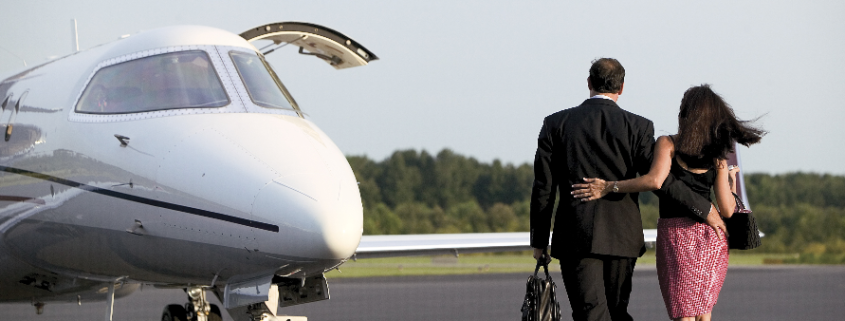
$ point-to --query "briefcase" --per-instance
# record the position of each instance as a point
(540, 302)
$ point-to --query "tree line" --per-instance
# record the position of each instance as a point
(414, 192)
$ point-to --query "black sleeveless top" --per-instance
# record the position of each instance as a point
(699, 183)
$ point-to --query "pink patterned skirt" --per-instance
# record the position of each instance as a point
(691, 266)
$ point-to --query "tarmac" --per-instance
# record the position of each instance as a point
(779, 292)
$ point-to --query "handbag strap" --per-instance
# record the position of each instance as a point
(739, 201)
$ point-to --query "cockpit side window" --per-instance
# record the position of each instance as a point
(184, 79)
(264, 87)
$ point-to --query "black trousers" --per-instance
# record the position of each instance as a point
(599, 287)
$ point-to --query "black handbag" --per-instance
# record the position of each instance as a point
(742, 228)
(540, 302)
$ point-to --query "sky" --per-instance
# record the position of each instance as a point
(478, 77)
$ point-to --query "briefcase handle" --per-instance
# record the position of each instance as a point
(544, 262)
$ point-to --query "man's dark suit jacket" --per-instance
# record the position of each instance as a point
(596, 139)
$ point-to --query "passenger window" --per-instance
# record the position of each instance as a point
(264, 87)
(184, 79)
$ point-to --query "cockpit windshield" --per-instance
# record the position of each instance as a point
(184, 79)
(264, 87)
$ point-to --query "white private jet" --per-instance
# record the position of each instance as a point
(176, 157)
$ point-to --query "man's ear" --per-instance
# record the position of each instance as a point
(589, 84)
(621, 88)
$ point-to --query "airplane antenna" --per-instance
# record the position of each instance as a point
(13, 54)
(75, 34)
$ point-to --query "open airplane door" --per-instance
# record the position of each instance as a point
(334, 47)
(734, 159)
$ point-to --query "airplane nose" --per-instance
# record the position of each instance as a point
(316, 213)
(278, 170)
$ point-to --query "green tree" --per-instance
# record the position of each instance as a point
(379, 219)
(413, 192)
(399, 181)
(366, 171)
(518, 183)
(427, 191)
(470, 217)
(796, 188)
(489, 185)
(522, 209)
(417, 218)
(501, 218)
(455, 177)
(443, 223)
(649, 214)
(801, 228)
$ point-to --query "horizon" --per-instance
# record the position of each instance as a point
(531, 163)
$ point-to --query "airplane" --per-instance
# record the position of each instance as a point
(177, 158)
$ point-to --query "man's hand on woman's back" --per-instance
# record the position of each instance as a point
(715, 221)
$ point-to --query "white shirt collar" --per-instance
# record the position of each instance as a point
(601, 96)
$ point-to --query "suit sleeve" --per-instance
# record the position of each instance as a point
(679, 191)
(644, 149)
(543, 190)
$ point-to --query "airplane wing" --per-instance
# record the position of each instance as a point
(375, 246)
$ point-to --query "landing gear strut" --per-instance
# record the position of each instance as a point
(197, 308)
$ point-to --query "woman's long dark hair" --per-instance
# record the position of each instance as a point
(708, 128)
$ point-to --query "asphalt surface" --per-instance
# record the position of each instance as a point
(749, 293)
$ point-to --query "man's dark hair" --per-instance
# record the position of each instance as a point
(607, 75)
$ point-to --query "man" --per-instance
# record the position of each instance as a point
(598, 242)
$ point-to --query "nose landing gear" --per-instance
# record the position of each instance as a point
(197, 308)
(174, 312)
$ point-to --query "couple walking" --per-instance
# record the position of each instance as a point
(593, 154)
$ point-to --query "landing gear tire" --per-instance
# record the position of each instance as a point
(214, 314)
(175, 312)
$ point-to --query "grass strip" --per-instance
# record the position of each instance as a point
(498, 263)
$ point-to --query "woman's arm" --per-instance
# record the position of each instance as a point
(732, 171)
(722, 188)
(595, 188)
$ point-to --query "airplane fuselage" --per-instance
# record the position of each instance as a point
(164, 195)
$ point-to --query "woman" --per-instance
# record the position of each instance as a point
(692, 258)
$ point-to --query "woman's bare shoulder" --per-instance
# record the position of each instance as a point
(666, 138)
(666, 142)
